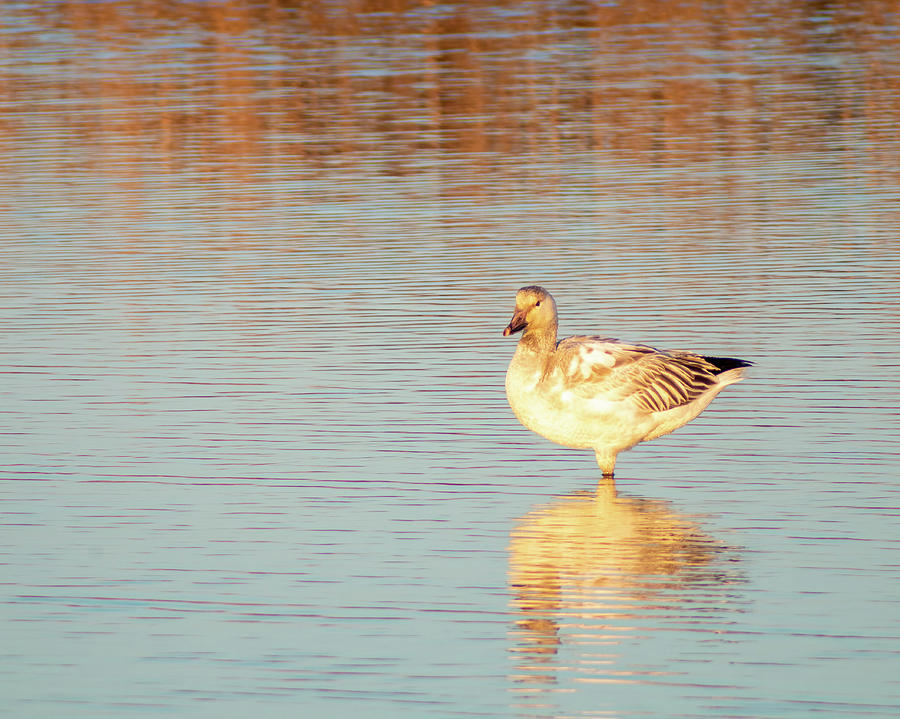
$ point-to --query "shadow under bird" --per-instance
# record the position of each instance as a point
(590, 392)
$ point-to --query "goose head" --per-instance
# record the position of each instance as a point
(535, 312)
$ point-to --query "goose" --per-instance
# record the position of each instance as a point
(590, 392)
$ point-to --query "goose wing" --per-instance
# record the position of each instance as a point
(654, 380)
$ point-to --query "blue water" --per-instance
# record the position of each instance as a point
(258, 456)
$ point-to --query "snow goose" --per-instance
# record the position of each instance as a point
(597, 393)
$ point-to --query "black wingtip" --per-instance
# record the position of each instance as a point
(723, 364)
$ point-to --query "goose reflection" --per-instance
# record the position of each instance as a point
(592, 569)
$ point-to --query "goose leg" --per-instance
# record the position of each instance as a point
(607, 461)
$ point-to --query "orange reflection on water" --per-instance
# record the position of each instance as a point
(590, 570)
(250, 84)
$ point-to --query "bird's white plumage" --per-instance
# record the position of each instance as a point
(599, 393)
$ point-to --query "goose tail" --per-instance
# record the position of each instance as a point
(729, 369)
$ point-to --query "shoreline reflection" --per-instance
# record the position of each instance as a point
(591, 570)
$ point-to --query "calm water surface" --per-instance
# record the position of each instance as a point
(255, 260)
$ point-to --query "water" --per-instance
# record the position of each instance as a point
(256, 260)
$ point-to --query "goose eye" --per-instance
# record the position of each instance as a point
(537, 304)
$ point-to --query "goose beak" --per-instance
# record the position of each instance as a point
(518, 322)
